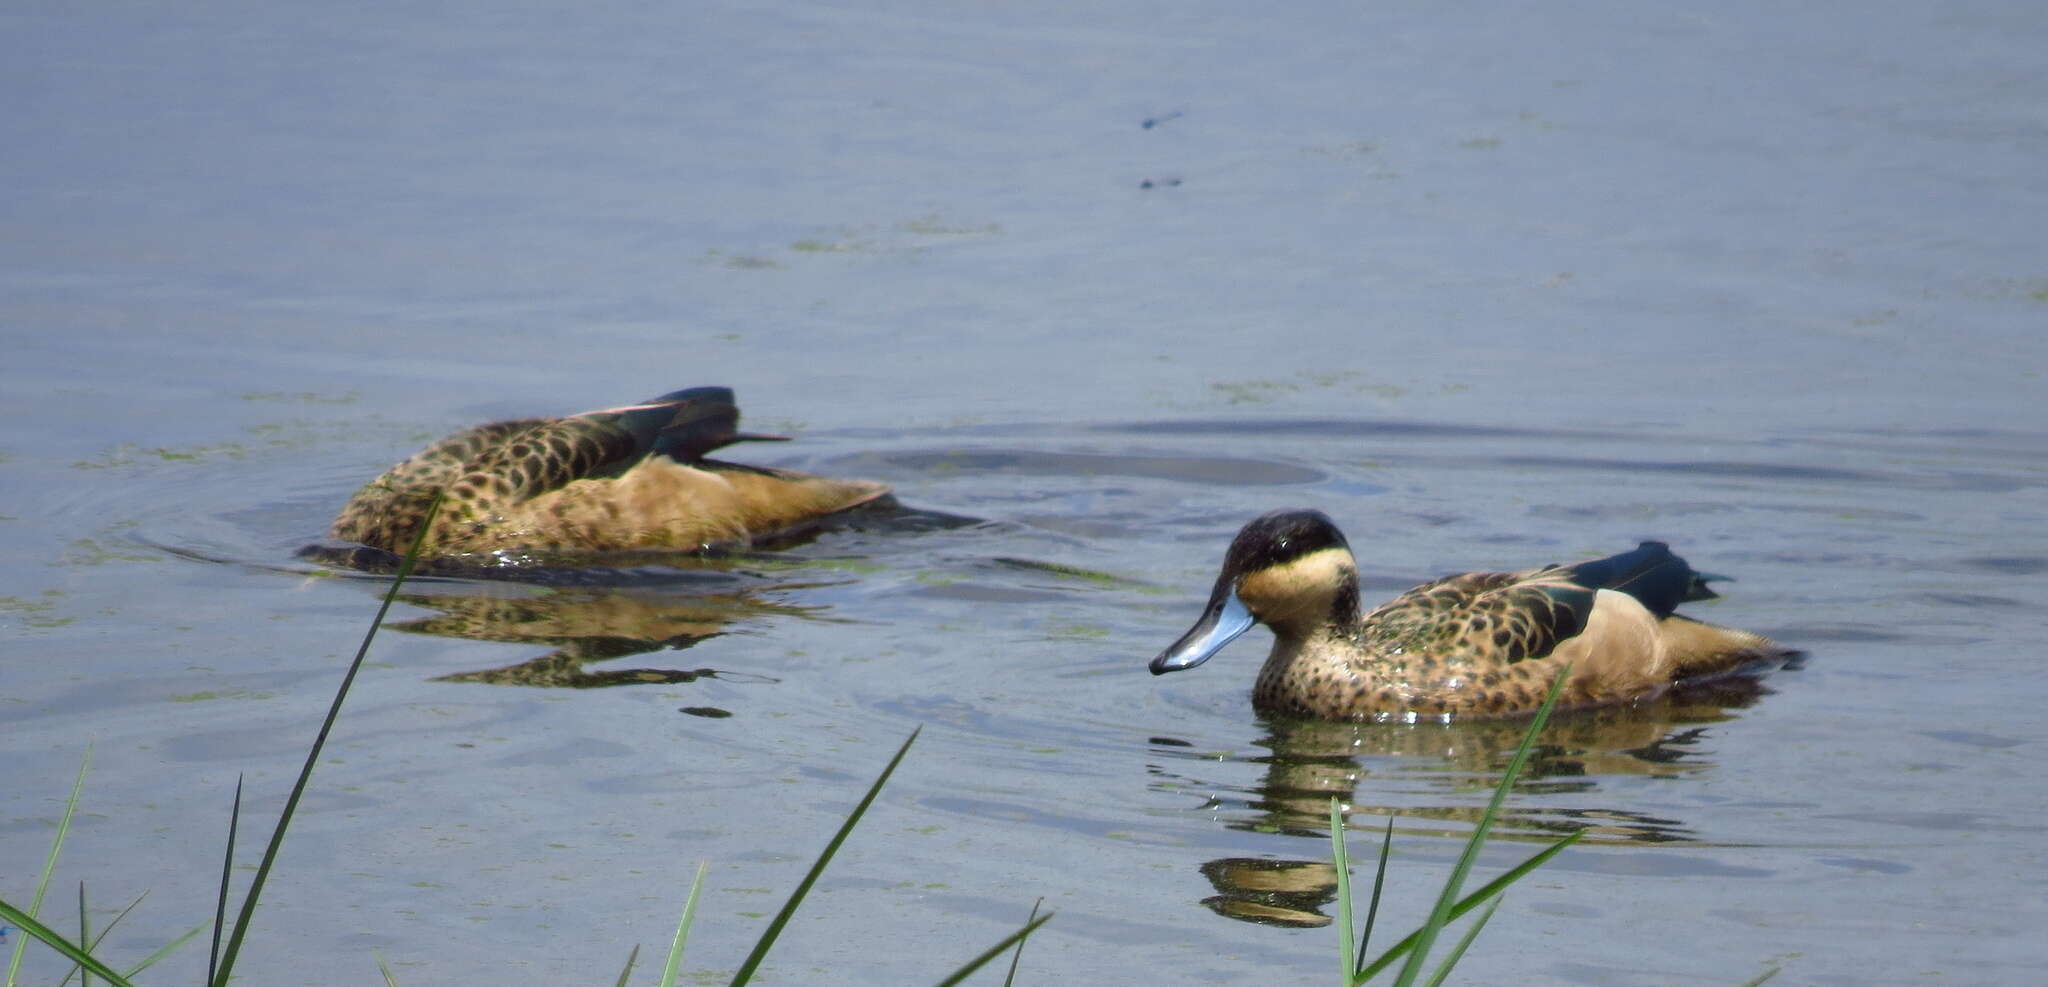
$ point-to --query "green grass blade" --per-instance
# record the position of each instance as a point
(674, 966)
(1014, 938)
(1519, 871)
(1010, 979)
(1379, 883)
(227, 871)
(116, 920)
(1766, 975)
(83, 957)
(93, 945)
(1440, 914)
(1459, 950)
(753, 961)
(163, 950)
(390, 979)
(632, 960)
(35, 904)
(29, 926)
(1342, 858)
(84, 939)
(291, 803)
(1469, 902)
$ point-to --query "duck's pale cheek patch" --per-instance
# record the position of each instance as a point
(1303, 593)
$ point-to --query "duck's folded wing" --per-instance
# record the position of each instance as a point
(387, 510)
(547, 454)
(1490, 617)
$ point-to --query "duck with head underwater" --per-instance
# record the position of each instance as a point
(618, 478)
(1476, 644)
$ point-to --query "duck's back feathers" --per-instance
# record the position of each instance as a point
(1507, 617)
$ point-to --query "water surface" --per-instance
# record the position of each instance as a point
(1493, 289)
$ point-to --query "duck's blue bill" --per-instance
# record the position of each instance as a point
(1221, 623)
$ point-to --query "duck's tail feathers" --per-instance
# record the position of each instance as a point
(1699, 590)
(1702, 650)
(1651, 573)
(685, 425)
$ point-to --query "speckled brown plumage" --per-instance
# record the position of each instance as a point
(619, 478)
(1476, 644)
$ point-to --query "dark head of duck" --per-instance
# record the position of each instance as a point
(1290, 569)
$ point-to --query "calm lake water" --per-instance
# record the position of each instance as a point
(1493, 288)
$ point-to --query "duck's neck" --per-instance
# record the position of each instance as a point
(1306, 674)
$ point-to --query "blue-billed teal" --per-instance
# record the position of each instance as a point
(1477, 644)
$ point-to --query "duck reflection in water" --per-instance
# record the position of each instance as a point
(663, 601)
(589, 625)
(1433, 779)
(654, 601)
